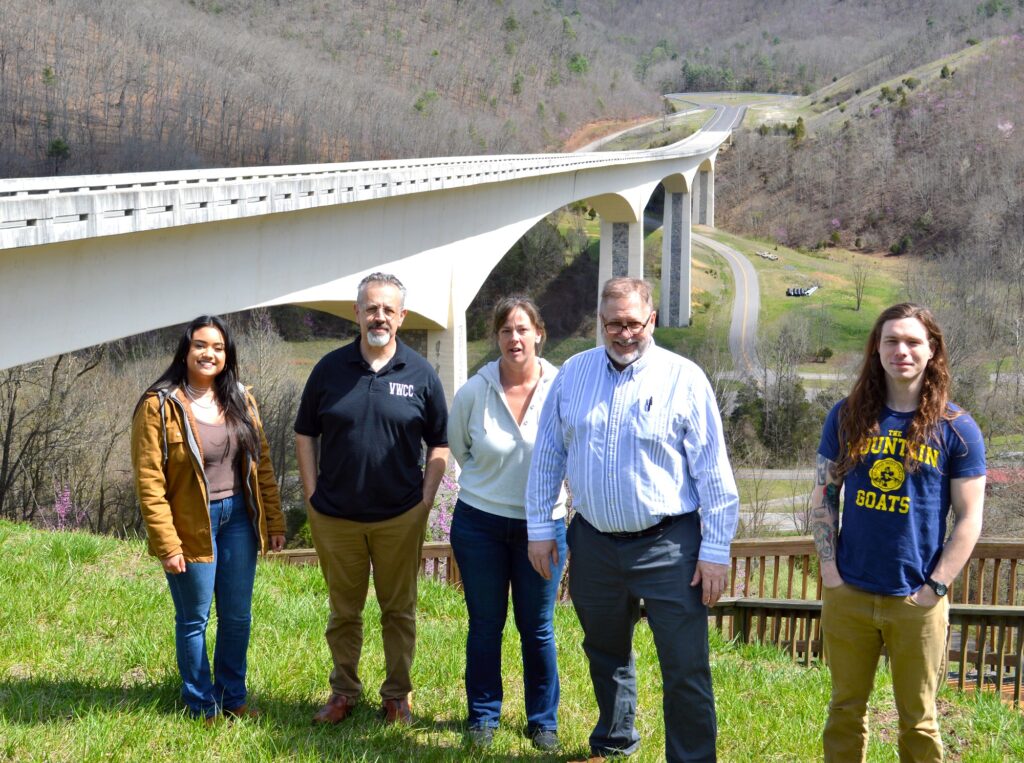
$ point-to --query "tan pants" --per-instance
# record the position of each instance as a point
(855, 625)
(347, 551)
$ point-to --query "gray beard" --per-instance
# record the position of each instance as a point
(638, 350)
(377, 340)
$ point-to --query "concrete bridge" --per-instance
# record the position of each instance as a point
(89, 259)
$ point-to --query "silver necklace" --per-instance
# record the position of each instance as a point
(196, 396)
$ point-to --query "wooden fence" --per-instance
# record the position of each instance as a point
(436, 562)
(774, 596)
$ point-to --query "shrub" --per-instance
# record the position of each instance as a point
(578, 64)
(901, 246)
(58, 150)
(423, 103)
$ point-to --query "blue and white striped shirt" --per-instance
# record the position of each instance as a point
(636, 445)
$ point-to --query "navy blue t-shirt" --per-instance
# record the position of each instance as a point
(894, 521)
(371, 428)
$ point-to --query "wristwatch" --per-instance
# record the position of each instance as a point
(940, 588)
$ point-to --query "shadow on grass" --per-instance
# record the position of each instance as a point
(32, 701)
(363, 736)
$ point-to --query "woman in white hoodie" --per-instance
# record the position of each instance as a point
(491, 431)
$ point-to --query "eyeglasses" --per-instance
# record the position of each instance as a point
(372, 311)
(634, 327)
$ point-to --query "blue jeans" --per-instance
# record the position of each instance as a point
(491, 552)
(230, 576)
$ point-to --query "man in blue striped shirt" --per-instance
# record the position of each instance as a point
(636, 430)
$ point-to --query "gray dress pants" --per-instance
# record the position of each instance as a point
(608, 577)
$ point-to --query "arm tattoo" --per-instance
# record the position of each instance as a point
(825, 517)
(821, 472)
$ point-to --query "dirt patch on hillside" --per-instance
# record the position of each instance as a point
(592, 131)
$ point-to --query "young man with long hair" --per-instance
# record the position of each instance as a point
(903, 455)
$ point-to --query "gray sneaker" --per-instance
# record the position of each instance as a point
(480, 736)
(545, 740)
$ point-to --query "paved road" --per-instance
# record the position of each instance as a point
(747, 303)
(743, 331)
(724, 118)
(804, 475)
(594, 145)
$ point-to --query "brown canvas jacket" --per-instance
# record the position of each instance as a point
(171, 484)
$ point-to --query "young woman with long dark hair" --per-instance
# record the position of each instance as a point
(210, 503)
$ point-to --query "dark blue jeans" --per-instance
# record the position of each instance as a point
(491, 553)
(230, 577)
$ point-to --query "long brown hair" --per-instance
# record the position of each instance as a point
(858, 419)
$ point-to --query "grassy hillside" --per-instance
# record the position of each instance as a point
(830, 314)
(87, 673)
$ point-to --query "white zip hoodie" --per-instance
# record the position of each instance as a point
(492, 449)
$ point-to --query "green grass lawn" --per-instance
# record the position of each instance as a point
(87, 673)
(830, 313)
(304, 355)
(770, 490)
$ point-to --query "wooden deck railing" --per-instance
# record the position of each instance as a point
(774, 596)
(778, 589)
(436, 562)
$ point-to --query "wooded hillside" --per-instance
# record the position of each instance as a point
(934, 171)
(89, 86)
(99, 86)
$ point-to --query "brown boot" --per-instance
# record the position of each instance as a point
(337, 709)
(397, 711)
(243, 711)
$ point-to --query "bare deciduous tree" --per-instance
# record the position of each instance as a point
(859, 273)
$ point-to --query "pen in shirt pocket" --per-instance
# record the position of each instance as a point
(647, 405)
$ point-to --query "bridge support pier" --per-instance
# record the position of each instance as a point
(621, 253)
(446, 351)
(704, 198)
(622, 250)
(676, 256)
(709, 200)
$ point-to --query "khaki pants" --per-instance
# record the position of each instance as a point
(348, 550)
(855, 625)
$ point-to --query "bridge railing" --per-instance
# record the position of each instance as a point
(774, 597)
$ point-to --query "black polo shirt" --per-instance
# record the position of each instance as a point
(371, 428)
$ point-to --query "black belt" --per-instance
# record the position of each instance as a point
(646, 532)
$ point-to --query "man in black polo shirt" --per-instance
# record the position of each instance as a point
(371, 405)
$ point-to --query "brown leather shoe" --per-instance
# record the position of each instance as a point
(337, 709)
(397, 711)
(243, 711)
